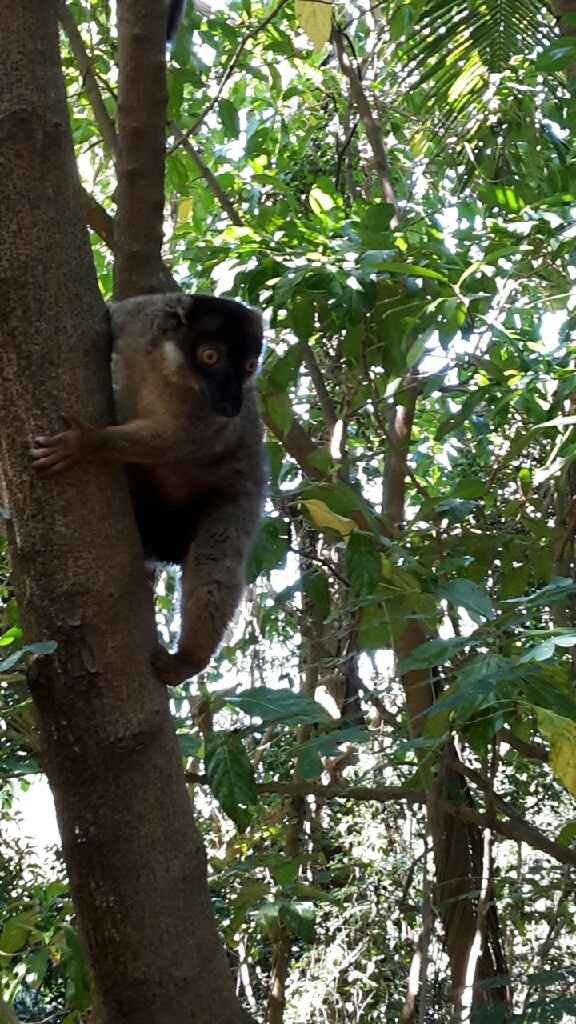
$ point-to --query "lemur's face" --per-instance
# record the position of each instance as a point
(220, 342)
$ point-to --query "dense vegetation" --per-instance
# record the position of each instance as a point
(383, 753)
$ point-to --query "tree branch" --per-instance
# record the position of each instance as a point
(99, 220)
(517, 829)
(209, 177)
(320, 388)
(371, 126)
(101, 115)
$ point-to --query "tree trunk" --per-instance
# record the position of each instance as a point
(455, 844)
(135, 859)
(141, 142)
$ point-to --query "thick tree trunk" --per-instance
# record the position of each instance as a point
(135, 859)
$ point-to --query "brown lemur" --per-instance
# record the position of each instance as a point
(191, 437)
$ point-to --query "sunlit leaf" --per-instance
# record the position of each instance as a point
(561, 734)
(324, 519)
(316, 20)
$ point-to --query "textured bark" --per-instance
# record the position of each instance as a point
(135, 860)
(457, 843)
(141, 142)
(565, 11)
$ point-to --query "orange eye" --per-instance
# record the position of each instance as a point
(208, 356)
(250, 366)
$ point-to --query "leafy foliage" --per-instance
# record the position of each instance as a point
(449, 315)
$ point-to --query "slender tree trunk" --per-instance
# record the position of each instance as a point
(457, 846)
(141, 143)
(135, 859)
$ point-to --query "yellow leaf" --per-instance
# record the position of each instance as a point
(324, 519)
(561, 733)
(184, 211)
(316, 20)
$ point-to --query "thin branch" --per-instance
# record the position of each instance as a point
(102, 223)
(231, 67)
(342, 150)
(98, 219)
(371, 126)
(296, 443)
(379, 794)
(518, 830)
(320, 388)
(101, 115)
(533, 751)
(209, 177)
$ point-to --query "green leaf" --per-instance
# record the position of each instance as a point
(230, 118)
(374, 226)
(284, 872)
(190, 746)
(269, 547)
(375, 633)
(561, 733)
(258, 142)
(299, 919)
(325, 519)
(279, 706)
(315, 17)
(281, 373)
(433, 652)
(309, 764)
(567, 834)
(540, 652)
(267, 917)
(363, 565)
(278, 408)
(317, 588)
(7, 664)
(302, 317)
(411, 270)
(539, 692)
(320, 202)
(559, 55)
(78, 986)
(17, 931)
(36, 966)
(559, 589)
(464, 593)
(230, 775)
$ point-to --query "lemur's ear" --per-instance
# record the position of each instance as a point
(177, 314)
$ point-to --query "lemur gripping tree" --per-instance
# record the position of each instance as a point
(190, 435)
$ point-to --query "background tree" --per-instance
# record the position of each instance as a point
(399, 200)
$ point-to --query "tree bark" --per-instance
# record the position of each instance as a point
(456, 844)
(135, 859)
(141, 144)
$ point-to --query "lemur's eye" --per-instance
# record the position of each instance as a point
(209, 356)
(250, 366)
